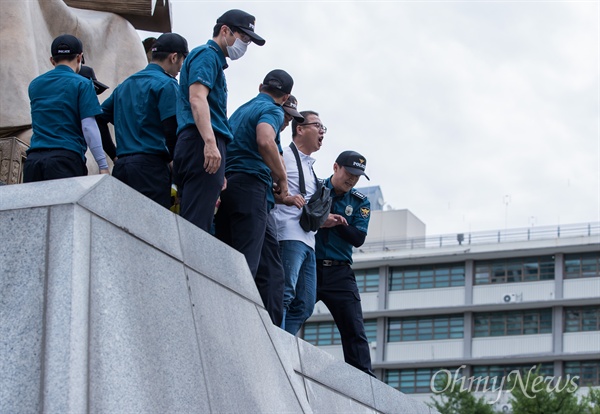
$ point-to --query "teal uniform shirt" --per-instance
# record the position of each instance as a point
(242, 153)
(60, 99)
(137, 108)
(205, 64)
(356, 209)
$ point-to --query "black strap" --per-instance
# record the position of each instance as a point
(300, 170)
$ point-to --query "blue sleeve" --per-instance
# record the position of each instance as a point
(167, 101)
(108, 108)
(88, 101)
(204, 69)
(361, 216)
(274, 117)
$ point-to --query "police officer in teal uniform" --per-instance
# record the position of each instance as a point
(64, 106)
(203, 131)
(143, 110)
(345, 228)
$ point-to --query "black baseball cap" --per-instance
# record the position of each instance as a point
(353, 162)
(171, 43)
(291, 107)
(279, 79)
(242, 21)
(66, 44)
(88, 72)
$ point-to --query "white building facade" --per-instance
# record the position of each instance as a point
(487, 303)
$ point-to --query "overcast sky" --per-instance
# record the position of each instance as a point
(472, 115)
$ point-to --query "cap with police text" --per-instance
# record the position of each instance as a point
(66, 44)
(242, 21)
(171, 43)
(279, 79)
(353, 162)
(291, 108)
(88, 72)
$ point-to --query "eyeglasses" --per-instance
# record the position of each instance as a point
(243, 36)
(319, 126)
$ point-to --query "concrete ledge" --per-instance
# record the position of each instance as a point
(111, 303)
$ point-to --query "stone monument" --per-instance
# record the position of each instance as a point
(111, 46)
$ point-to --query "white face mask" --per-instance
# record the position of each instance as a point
(236, 50)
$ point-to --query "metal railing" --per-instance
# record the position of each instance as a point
(486, 237)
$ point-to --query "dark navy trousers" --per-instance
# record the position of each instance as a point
(198, 190)
(270, 277)
(241, 221)
(52, 164)
(147, 173)
(336, 287)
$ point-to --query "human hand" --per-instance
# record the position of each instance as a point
(212, 158)
(297, 200)
(104, 171)
(335, 220)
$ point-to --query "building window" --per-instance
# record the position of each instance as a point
(526, 322)
(414, 381)
(587, 371)
(581, 319)
(371, 329)
(321, 333)
(494, 374)
(582, 265)
(367, 280)
(326, 333)
(514, 270)
(425, 328)
(427, 277)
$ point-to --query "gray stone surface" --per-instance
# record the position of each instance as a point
(143, 353)
(214, 259)
(47, 193)
(134, 213)
(236, 349)
(324, 400)
(389, 400)
(67, 295)
(110, 303)
(22, 284)
(335, 374)
(286, 346)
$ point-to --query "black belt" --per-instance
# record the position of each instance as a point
(328, 263)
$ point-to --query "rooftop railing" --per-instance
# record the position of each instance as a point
(486, 237)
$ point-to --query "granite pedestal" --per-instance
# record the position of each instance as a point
(112, 304)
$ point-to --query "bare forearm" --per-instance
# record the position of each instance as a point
(201, 113)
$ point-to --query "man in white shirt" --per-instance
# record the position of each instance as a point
(296, 246)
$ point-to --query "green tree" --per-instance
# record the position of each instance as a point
(591, 402)
(455, 400)
(533, 393)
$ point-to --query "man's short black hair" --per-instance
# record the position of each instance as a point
(218, 26)
(148, 43)
(161, 56)
(271, 90)
(63, 58)
(295, 123)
